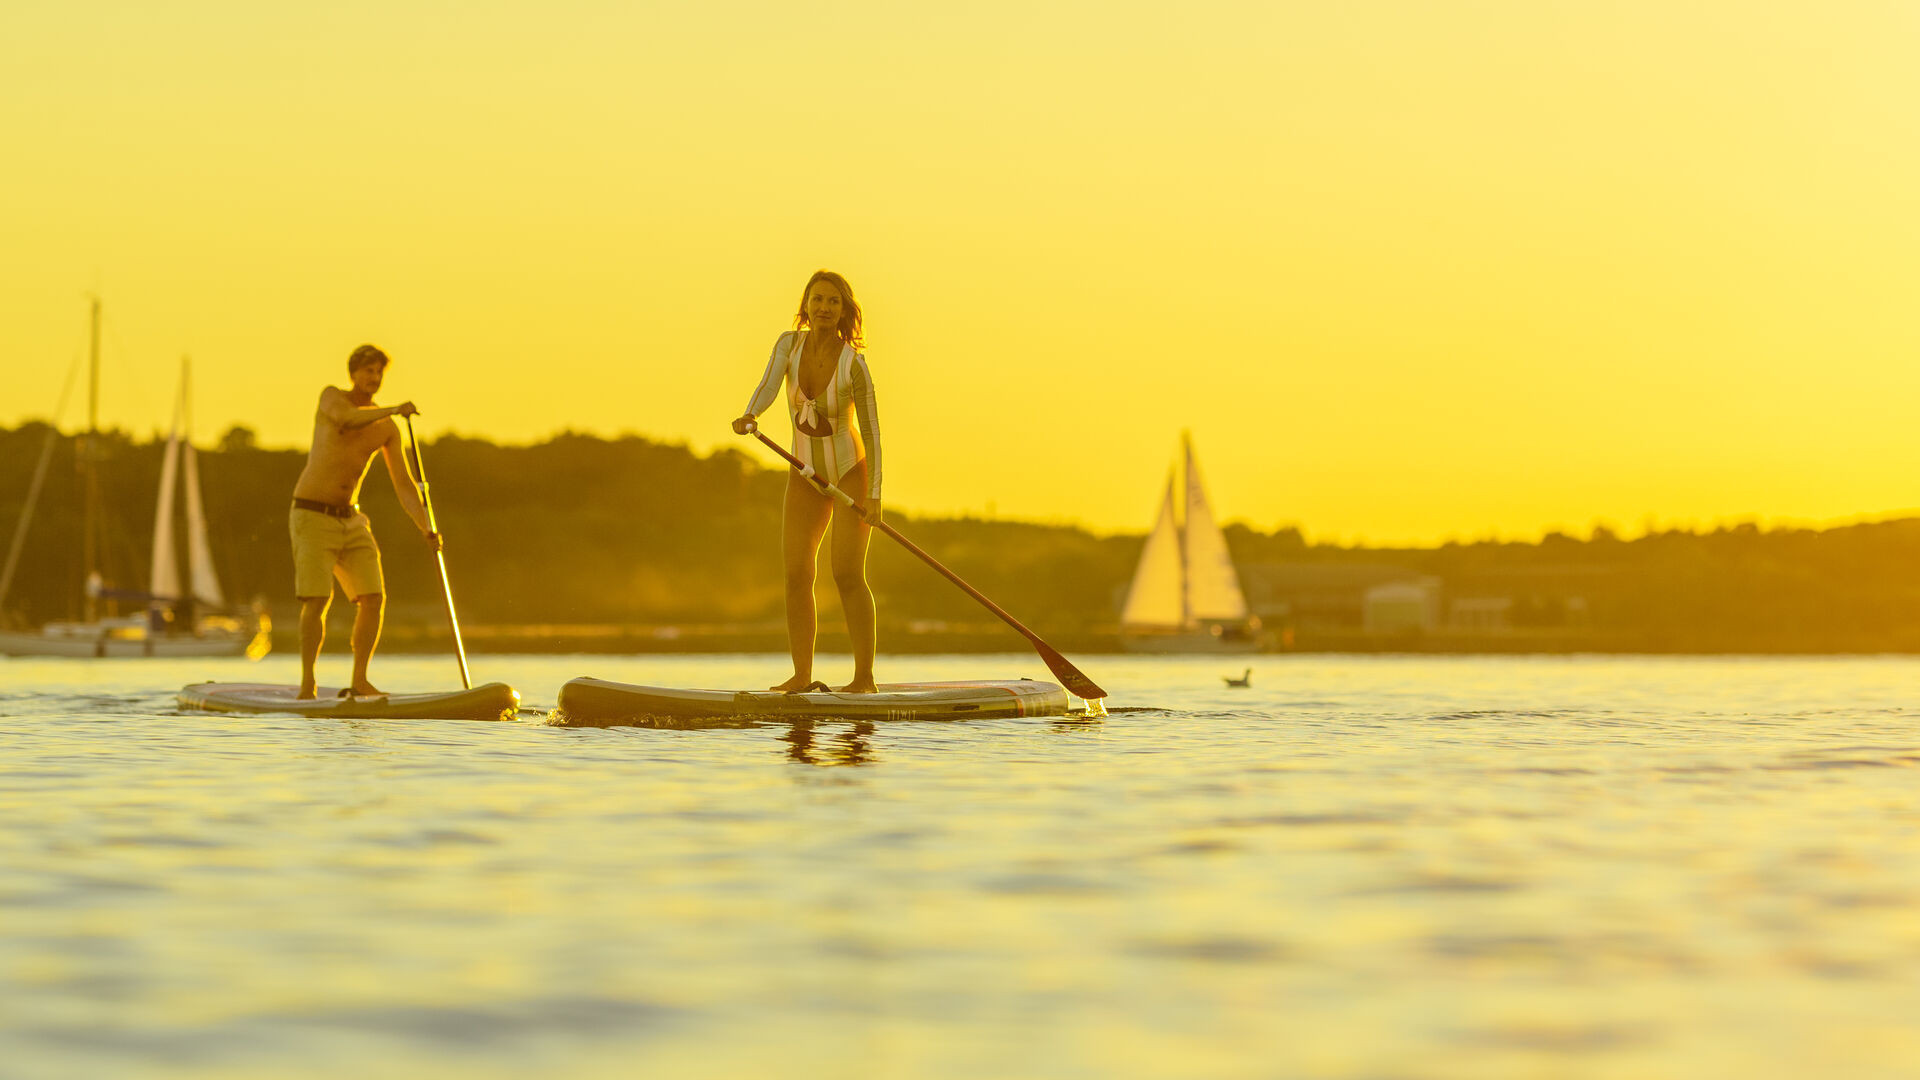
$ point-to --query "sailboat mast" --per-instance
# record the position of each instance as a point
(90, 520)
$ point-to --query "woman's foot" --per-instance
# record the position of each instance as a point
(366, 689)
(859, 686)
(793, 685)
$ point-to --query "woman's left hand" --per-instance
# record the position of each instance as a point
(871, 513)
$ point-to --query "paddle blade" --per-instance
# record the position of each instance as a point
(1070, 677)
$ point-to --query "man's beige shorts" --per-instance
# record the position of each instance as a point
(325, 547)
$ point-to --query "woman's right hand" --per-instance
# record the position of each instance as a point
(745, 425)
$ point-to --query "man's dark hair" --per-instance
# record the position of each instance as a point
(364, 355)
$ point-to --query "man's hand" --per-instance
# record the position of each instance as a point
(434, 542)
(406, 408)
(745, 426)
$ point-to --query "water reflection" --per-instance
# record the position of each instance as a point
(850, 747)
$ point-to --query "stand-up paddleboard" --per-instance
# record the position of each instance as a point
(489, 701)
(597, 701)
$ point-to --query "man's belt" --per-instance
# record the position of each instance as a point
(326, 508)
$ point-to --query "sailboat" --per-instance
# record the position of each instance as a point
(176, 621)
(1185, 595)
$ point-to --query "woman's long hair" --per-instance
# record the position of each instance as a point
(850, 330)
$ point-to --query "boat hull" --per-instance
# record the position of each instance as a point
(1190, 644)
(488, 701)
(112, 648)
(596, 701)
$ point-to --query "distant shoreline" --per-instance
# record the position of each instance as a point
(651, 639)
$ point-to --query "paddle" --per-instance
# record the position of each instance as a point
(1070, 677)
(446, 586)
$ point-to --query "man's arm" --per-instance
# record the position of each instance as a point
(394, 450)
(336, 406)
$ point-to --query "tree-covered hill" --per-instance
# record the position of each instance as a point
(584, 530)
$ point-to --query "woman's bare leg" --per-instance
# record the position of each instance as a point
(803, 523)
(848, 554)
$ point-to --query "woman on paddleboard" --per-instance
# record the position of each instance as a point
(829, 392)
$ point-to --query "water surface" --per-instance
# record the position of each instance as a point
(1365, 867)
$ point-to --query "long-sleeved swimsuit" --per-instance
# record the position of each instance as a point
(824, 435)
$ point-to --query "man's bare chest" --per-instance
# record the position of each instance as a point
(351, 447)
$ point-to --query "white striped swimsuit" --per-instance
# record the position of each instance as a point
(847, 395)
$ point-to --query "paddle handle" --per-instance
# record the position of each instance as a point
(453, 620)
(446, 583)
(1075, 681)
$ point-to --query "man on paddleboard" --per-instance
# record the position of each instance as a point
(331, 537)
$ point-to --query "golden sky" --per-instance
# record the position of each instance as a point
(1408, 270)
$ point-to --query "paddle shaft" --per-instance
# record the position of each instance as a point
(446, 584)
(1071, 677)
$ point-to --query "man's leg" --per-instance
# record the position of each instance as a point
(360, 578)
(313, 634)
(366, 637)
(315, 545)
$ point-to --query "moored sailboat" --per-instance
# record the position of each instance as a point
(1185, 595)
(171, 621)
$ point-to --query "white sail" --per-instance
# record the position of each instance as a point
(206, 586)
(164, 581)
(1155, 598)
(1213, 588)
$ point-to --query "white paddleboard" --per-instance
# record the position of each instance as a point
(597, 701)
(488, 701)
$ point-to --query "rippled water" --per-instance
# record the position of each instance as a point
(1391, 867)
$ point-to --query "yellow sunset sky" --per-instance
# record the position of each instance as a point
(1408, 271)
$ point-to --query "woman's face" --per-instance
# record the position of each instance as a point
(823, 306)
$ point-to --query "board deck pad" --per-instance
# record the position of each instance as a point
(488, 701)
(587, 701)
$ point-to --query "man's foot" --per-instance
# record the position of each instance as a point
(859, 686)
(793, 685)
(308, 692)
